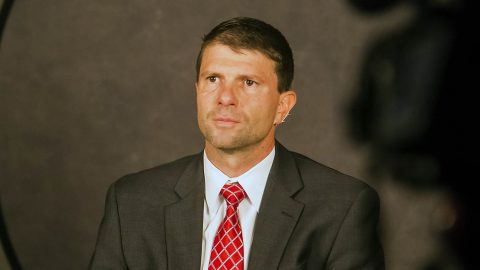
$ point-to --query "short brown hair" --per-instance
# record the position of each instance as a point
(252, 34)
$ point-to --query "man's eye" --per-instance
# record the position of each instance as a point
(212, 79)
(249, 82)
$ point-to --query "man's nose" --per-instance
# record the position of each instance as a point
(227, 95)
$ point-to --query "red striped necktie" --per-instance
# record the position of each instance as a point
(227, 249)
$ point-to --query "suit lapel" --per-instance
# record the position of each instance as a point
(184, 219)
(278, 214)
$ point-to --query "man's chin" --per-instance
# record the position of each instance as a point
(226, 144)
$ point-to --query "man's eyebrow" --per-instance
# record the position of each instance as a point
(250, 76)
(209, 74)
(245, 76)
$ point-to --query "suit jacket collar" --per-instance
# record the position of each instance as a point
(284, 171)
(192, 177)
(279, 212)
(184, 219)
(278, 215)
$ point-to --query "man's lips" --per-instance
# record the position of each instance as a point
(225, 121)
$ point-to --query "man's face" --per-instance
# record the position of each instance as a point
(237, 97)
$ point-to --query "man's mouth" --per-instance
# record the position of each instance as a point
(225, 121)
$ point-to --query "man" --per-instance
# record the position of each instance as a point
(245, 202)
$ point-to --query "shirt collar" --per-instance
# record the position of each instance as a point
(253, 182)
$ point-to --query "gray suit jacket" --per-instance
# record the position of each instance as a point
(311, 217)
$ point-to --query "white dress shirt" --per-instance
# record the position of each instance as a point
(214, 207)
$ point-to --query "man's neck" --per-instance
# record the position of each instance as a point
(237, 162)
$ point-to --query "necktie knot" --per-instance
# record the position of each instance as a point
(233, 194)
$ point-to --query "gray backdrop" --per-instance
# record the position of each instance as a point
(92, 90)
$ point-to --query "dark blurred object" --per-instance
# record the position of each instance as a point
(4, 12)
(5, 239)
(7, 245)
(417, 108)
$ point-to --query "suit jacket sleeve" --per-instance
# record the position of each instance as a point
(108, 252)
(357, 245)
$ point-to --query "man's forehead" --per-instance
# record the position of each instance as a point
(237, 49)
(222, 57)
(225, 54)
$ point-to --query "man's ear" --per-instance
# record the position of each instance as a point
(286, 102)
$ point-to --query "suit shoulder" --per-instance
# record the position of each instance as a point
(163, 176)
(319, 176)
